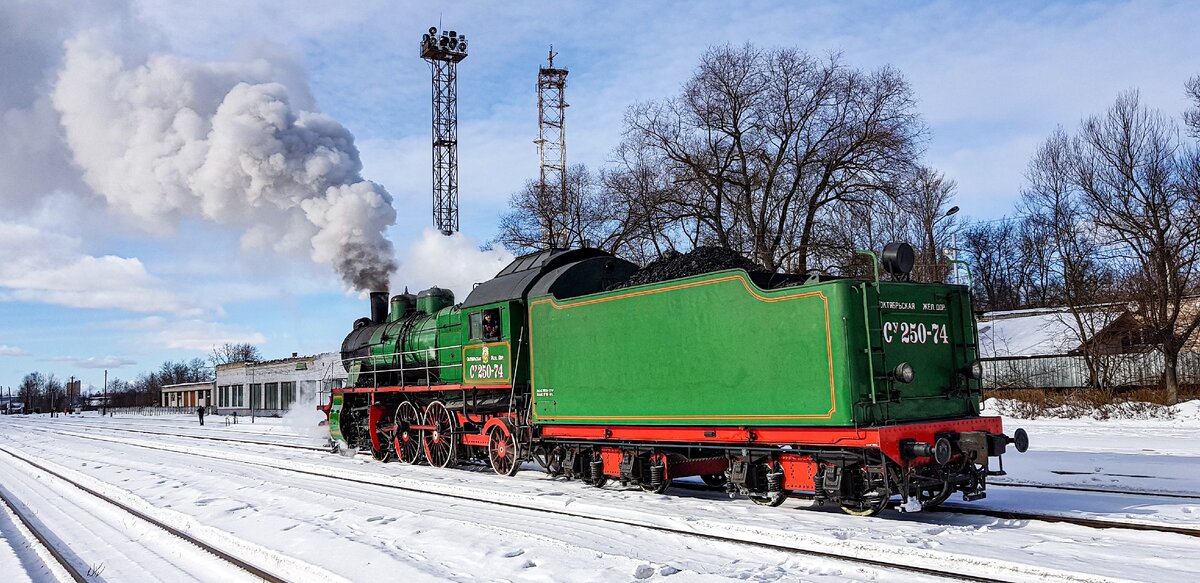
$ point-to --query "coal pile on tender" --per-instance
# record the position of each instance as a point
(674, 265)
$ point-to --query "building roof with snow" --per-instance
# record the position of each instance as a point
(1039, 332)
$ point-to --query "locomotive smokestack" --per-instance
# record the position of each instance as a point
(379, 306)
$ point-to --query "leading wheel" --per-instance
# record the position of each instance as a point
(441, 441)
(502, 451)
(382, 453)
(407, 443)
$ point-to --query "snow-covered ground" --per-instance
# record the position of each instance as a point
(294, 507)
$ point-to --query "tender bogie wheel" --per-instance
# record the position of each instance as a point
(932, 497)
(866, 507)
(657, 463)
(771, 499)
(440, 442)
(503, 452)
(407, 443)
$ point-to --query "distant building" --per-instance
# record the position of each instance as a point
(188, 394)
(1045, 348)
(270, 387)
(11, 404)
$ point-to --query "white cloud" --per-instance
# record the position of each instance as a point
(189, 333)
(455, 263)
(49, 268)
(94, 362)
(6, 350)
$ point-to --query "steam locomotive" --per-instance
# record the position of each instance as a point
(858, 392)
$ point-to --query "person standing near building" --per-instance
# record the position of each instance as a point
(200, 412)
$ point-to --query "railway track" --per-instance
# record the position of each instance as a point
(208, 438)
(956, 509)
(953, 569)
(1068, 488)
(60, 560)
(1016, 515)
(83, 573)
(1059, 487)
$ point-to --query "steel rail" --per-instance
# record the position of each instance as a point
(231, 559)
(209, 438)
(67, 565)
(1014, 514)
(1071, 488)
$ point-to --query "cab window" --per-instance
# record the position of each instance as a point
(491, 324)
(476, 322)
(485, 325)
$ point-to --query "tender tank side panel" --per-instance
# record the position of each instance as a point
(712, 349)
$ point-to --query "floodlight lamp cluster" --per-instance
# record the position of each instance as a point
(449, 46)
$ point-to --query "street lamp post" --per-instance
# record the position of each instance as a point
(933, 243)
(104, 400)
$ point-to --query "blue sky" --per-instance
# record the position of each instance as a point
(88, 286)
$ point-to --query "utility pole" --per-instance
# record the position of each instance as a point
(443, 54)
(104, 400)
(552, 151)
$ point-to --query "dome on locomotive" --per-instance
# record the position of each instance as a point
(434, 299)
(402, 305)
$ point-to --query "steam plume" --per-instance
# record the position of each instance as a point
(172, 137)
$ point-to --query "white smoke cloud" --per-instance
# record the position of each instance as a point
(455, 262)
(171, 137)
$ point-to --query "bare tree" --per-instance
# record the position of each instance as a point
(761, 145)
(536, 220)
(926, 196)
(31, 390)
(234, 352)
(1191, 117)
(1055, 206)
(1138, 183)
(994, 252)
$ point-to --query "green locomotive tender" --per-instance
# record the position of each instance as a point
(857, 391)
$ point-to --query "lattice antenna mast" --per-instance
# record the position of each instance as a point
(443, 53)
(552, 150)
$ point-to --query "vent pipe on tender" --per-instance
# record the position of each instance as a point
(379, 306)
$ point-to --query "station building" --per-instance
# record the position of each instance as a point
(188, 395)
(270, 387)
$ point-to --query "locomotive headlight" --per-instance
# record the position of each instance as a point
(903, 373)
(975, 370)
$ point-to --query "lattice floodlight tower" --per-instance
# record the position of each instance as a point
(552, 150)
(443, 53)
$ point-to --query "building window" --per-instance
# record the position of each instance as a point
(287, 394)
(271, 396)
(256, 395)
